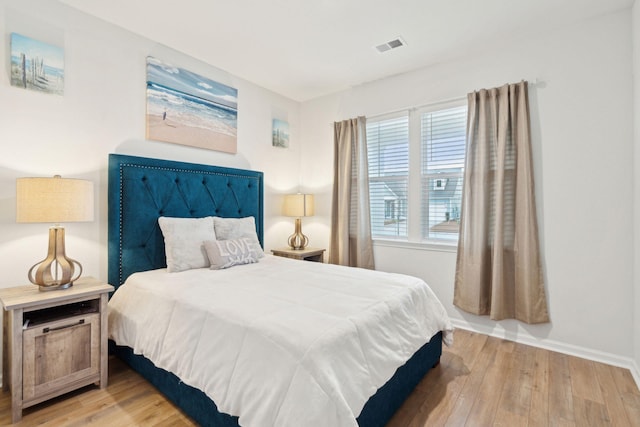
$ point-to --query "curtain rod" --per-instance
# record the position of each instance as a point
(531, 82)
(399, 110)
(442, 101)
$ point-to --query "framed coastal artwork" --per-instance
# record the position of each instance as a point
(186, 108)
(280, 133)
(36, 65)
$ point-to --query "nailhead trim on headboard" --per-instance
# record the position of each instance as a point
(179, 189)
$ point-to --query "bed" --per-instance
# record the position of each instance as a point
(141, 190)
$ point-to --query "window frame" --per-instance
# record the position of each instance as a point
(394, 177)
(413, 238)
(453, 240)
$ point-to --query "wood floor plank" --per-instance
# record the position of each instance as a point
(632, 407)
(444, 389)
(590, 413)
(40, 414)
(625, 382)
(629, 393)
(612, 397)
(485, 407)
(505, 418)
(539, 409)
(175, 420)
(561, 411)
(480, 381)
(516, 393)
(407, 412)
(451, 377)
(584, 381)
(81, 414)
(153, 412)
(466, 399)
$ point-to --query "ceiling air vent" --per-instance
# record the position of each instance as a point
(390, 45)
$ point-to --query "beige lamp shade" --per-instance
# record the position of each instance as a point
(54, 200)
(298, 205)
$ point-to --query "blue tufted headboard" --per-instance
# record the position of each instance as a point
(143, 189)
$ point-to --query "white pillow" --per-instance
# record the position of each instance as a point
(183, 242)
(236, 228)
(227, 253)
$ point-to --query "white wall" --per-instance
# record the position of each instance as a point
(581, 113)
(636, 187)
(103, 111)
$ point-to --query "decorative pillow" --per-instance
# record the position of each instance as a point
(235, 228)
(183, 242)
(227, 253)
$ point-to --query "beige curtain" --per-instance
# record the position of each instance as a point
(498, 268)
(351, 242)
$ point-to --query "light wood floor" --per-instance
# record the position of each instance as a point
(481, 381)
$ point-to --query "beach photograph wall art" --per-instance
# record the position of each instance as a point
(36, 65)
(186, 108)
(280, 136)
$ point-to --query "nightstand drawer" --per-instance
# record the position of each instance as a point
(60, 354)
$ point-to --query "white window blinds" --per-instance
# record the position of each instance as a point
(388, 155)
(416, 163)
(443, 139)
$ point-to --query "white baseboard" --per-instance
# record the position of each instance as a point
(560, 347)
(635, 372)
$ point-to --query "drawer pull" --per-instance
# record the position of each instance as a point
(79, 322)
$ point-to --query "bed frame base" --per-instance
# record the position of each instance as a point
(376, 413)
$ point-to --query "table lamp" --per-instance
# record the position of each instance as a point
(298, 205)
(54, 200)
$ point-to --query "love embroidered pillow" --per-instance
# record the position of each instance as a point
(236, 228)
(227, 253)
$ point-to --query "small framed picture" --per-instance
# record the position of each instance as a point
(280, 135)
(36, 65)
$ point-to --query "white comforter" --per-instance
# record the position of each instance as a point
(280, 342)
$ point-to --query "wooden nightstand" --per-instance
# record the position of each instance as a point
(307, 254)
(54, 341)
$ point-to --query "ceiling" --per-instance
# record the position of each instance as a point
(303, 49)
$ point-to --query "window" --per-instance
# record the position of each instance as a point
(388, 157)
(443, 138)
(411, 198)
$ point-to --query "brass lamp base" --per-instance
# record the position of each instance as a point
(56, 270)
(298, 240)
